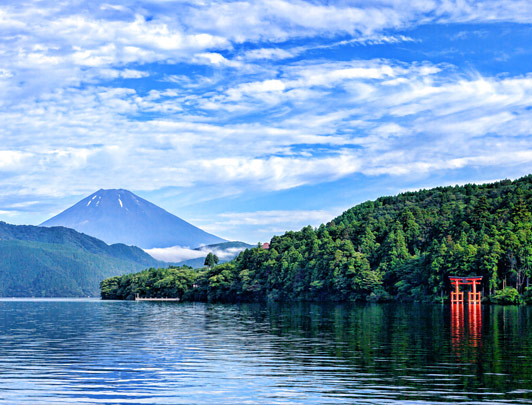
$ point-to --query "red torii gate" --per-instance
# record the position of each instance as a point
(457, 297)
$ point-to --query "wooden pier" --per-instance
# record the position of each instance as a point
(138, 298)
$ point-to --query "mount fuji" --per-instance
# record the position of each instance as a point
(119, 216)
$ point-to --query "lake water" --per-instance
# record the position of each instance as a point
(90, 351)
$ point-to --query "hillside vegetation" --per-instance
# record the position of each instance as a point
(401, 247)
(60, 262)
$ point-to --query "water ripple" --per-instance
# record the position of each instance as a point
(90, 351)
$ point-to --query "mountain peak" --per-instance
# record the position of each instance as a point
(110, 196)
(119, 216)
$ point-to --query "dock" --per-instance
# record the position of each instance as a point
(137, 298)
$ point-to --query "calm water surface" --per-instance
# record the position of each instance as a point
(89, 351)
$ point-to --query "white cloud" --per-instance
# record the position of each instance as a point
(267, 53)
(278, 173)
(280, 54)
(174, 253)
(265, 223)
(106, 73)
(307, 217)
(235, 108)
(442, 119)
(223, 254)
(47, 35)
(280, 20)
(178, 253)
(12, 159)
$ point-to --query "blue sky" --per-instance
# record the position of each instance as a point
(249, 118)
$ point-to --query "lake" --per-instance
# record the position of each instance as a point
(91, 351)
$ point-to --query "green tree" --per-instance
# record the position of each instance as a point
(211, 260)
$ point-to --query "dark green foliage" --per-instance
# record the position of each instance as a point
(171, 282)
(211, 260)
(527, 296)
(506, 296)
(60, 262)
(403, 247)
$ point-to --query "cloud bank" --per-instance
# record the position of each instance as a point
(243, 97)
(179, 253)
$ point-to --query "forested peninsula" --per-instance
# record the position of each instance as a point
(402, 247)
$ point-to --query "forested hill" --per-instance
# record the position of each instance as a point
(60, 262)
(404, 247)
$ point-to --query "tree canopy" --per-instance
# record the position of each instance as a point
(401, 247)
(211, 260)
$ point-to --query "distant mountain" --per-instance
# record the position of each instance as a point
(60, 262)
(225, 251)
(119, 216)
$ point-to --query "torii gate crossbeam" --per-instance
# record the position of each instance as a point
(457, 297)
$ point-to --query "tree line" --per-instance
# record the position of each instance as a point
(402, 247)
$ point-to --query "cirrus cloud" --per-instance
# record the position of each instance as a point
(249, 96)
